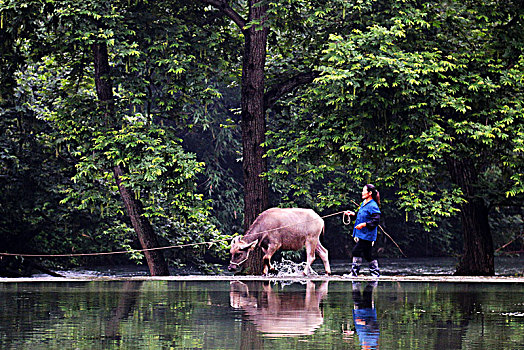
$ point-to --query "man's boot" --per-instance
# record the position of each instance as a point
(373, 268)
(355, 266)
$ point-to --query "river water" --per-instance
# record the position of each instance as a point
(261, 315)
(250, 314)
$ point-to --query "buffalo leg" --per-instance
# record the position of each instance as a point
(266, 267)
(310, 256)
(271, 249)
(323, 254)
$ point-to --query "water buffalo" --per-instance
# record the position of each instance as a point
(281, 228)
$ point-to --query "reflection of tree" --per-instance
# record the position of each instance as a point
(250, 338)
(451, 316)
(128, 297)
(451, 331)
(278, 314)
(457, 307)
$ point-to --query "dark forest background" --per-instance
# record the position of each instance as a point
(136, 124)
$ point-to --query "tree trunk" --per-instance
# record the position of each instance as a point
(256, 192)
(253, 116)
(254, 102)
(478, 255)
(142, 226)
(144, 230)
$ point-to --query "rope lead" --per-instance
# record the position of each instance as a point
(209, 243)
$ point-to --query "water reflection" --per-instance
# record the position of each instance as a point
(280, 313)
(126, 303)
(254, 315)
(364, 316)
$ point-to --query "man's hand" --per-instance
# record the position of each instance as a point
(360, 226)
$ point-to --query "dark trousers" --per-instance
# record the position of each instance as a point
(364, 249)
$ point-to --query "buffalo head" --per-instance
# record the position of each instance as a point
(240, 252)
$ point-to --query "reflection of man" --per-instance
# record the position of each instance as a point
(365, 316)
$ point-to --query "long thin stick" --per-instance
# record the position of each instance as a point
(392, 240)
(505, 245)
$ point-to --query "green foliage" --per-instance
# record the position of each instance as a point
(158, 84)
(401, 94)
(404, 89)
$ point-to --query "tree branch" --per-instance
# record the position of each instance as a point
(223, 6)
(279, 90)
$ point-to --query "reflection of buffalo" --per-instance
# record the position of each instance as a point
(280, 314)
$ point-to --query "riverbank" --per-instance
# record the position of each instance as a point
(314, 278)
(414, 269)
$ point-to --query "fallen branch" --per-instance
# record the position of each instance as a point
(505, 245)
(513, 253)
(43, 269)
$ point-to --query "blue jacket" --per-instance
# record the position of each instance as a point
(370, 214)
(366, 326)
